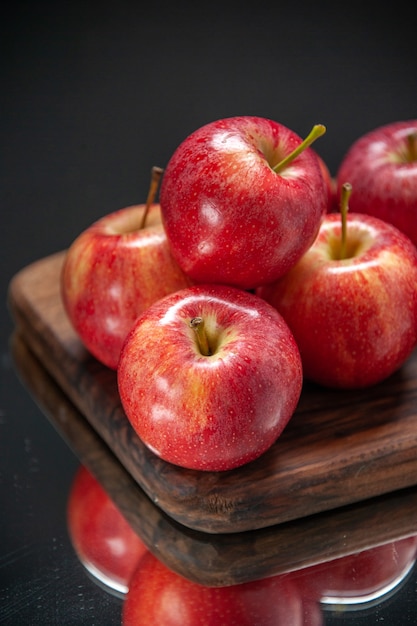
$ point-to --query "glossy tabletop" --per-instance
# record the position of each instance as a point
(92, 97)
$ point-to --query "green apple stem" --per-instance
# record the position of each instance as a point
(317, 131)
(156, 174)
(344, 208)
(197, 324)
(412, 147)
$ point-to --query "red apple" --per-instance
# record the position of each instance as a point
(242, 199)
(114, 271)
(330, 184)
(353, 312)
(382, 168)
(359, 577)
(102, 538)
(209, 377)
(159, 596)
(312, 613)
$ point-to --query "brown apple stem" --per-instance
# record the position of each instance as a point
(317, 131)
(156, 174)
(197, 324)
(344, 208)
(412, 147)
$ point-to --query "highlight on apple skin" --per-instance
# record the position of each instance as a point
(381, 166)
(209, 377)
(242, 199)
(353, 313)
(113, 271)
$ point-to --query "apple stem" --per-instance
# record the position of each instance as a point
(156, 174)
(197, 324)
(412, 146)
(344, 208)
(317, 131)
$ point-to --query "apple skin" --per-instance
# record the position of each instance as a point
(210, 412)
(354, 320)
(112, 272)
(160, 596)
(229, 217)
(361, 576)
(384, 181)
(331, 186)
(102, 538)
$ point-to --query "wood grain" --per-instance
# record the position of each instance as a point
(339, 447)
(207, 558)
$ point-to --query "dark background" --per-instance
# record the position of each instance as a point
(92, 96)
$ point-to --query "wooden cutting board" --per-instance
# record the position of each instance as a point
(338, 448)
(223, 558)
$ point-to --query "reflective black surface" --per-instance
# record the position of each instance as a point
(92, 97)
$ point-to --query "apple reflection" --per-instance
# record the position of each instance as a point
(102, 538)
(362, 578)
(119, 561)
(157, 595)
(152, 593)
